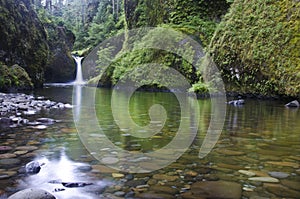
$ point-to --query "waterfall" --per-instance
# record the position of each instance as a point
(79, 78)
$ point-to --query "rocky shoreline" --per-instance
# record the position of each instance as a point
(15, 108)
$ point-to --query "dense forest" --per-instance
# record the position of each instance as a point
(254, 43)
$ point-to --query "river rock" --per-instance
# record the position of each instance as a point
(32, 194)
(117, 175)
(151, 195)
(26, 148)
(281, 191)
(293, 104)
(109, 160)
(279, 175)
(236, 102)
(285, 164)
(264, 179)
(7, 155)
(164, 189)
(291, 184)
(216, 189)
(165, 177)
(33, 167)
(248, 173)
(9, 161)
(5, 149)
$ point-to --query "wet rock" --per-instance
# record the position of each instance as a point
(84, 168)
(151, 195)
(9, 161)
(279, 175)
(5, 149)
(264, 179)
(117, 175)
(109, 160)
(248, 173)
(33, 167)
(236, 102)
(32, 194)
(216, 189)
(46, 121)
(26, 148)
(119, 193)
(135, 183)
(7, 155)
(75, 184)
(293, 104)
(281, 191)
(291, 184)
(165, 177)
(164, 189)
(285, 164)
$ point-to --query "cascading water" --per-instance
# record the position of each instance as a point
(79, 78)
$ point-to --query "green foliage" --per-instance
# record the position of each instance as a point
(257, 47)
(14, 77)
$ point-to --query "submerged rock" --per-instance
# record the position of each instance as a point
(236, 102)
(293, 104)
(216, 189)
(32, 194)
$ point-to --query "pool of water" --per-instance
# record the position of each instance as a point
(121, 151)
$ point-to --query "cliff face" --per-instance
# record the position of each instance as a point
(60, 66)
(23, 39)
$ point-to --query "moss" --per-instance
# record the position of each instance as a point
(14, 78)
(257, 47)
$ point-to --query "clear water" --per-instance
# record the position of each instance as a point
(265, 135)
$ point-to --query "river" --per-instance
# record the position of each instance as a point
(256, 155)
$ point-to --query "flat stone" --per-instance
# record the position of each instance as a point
(163, 189)
(5, 148)
(40, 127)
(20, 152)
(26, 148)
(259, 173)
(150, 195)
(217, 189)
(279, 175)
(165, 177)
(281, 191)
(32, 194)
(7, 155)
(291, 184)
(9, 161)
(109, 160)
(264, 179)
(284, 164)
(229, 166)
(117, 175)
(247, 173)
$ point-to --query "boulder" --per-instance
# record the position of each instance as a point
(32, 194)
(293, 104)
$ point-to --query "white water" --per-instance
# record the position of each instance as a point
(79, 78)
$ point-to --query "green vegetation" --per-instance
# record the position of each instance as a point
(14, 78)
(257, 47)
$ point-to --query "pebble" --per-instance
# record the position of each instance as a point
(117, 175)
(264, 179)
(279, 175)
(248, 173)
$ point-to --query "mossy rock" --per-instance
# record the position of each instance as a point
(14, 78)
